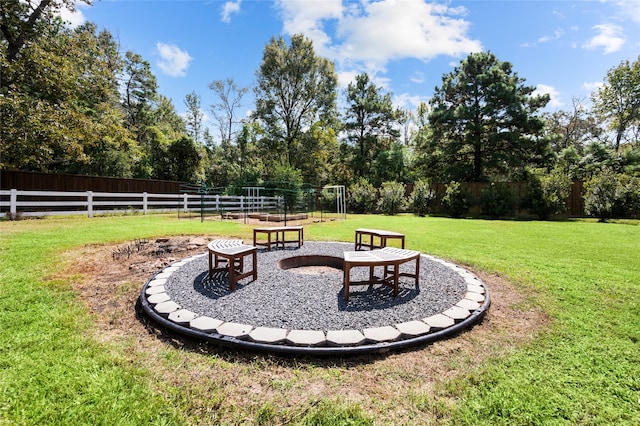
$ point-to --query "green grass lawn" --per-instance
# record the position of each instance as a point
(583, 369)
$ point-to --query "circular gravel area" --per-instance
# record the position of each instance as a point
(287, 299)
(304, 311)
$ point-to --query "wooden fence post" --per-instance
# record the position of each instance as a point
(185, 203)
(144, 203)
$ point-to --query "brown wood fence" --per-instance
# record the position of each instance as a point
(32, 181)
(575, 202)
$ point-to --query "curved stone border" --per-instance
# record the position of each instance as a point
(470, 309)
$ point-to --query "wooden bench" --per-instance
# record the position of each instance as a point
(389, 258)
(280, 236)
(228, 255)
(382, 235)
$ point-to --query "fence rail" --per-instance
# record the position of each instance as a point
(46, 203)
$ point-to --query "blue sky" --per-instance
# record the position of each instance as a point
(563, 48)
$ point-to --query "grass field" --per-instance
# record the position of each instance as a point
(58, 365)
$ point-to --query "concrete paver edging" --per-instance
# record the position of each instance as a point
(158, 305)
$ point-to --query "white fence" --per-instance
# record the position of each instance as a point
(47, 203)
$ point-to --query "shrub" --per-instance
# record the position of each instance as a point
(457, 199)
(362, 197)
(498, 200)
(391, 197)
(600, 195)
(422, 198)
(627, 200)
(609, 195)
(288, 184)
(328, 199)
(547, 195)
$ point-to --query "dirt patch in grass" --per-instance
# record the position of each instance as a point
(210, 384)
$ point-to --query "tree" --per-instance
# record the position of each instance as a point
(484, 123)
(547, 193)
(618, 100)
(24, 22)
(184, 160)
(61, 107)
(194, 116)
(572, 128)
(392, 164)
(369, 123)
(167, 119)
(140, 91)
(392, 197)
(225, 111)
(295, 88)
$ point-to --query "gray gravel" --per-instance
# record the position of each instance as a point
(291, 300)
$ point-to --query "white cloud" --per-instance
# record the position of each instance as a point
(347, 77)
(73, 18)
(308, 17)
(417, 77)
(407, 29)
(609, 37)
(629, 9)
(173, 61)
(367, 35)
(408, 102)
(543, 89)
(556, 35)
(230, 8)
(592, 86)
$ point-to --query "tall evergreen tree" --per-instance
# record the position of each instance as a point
(194, 116)
(140, 91)
(484, 121)
(370, 123)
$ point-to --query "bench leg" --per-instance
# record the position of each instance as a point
(347, 274)
(232, 274)
(210, 264)
(255, 265)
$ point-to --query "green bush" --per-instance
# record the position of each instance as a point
(391, 197)
(422, 198)
(627, 200)
(457, 200)
(547, 194)
(362, 197)
(287, 183)
(328, 199)
(600, 195)
(498, 200)
(609, 195)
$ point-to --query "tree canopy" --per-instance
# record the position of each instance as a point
(295, 89)
(370, 124)
(484, 121)
(618, 102)
(72, 102)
